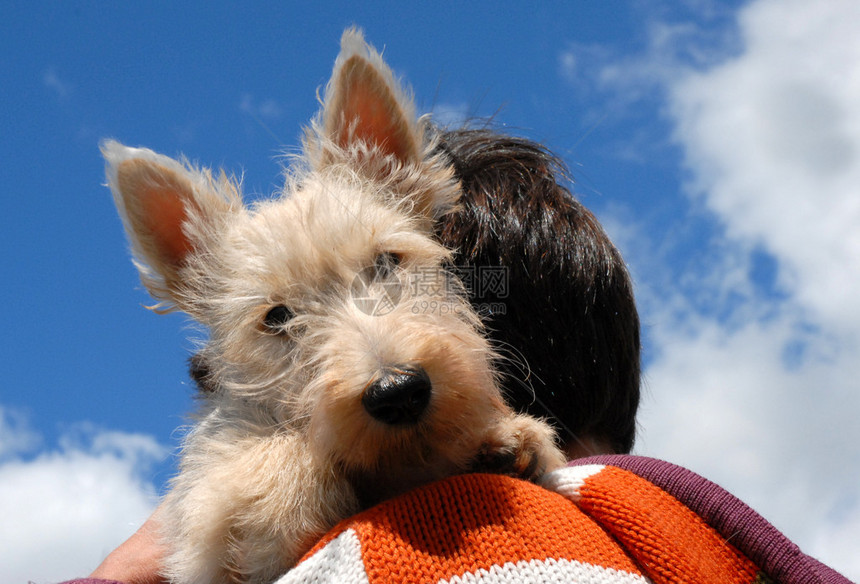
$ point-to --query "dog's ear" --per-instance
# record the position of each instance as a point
(169, 210)
(365, 104)
(368, 123)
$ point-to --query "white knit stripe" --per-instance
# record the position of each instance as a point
(543, 571)
(568, 481)
(339, 562)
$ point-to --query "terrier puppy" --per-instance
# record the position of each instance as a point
(343, 362)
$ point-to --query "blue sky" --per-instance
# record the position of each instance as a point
(719, 143)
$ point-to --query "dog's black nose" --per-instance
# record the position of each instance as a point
(399, 396)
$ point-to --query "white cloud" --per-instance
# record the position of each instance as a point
(450, 115)
(267, 109)
(64, 510)
(773, 137)
(16, 437)
(628, 78)
(725, 404)
(762, 397)
(52, 81)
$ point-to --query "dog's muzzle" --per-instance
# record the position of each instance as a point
(399, 396)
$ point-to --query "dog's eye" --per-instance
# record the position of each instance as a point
(277, 317)
(385, 263)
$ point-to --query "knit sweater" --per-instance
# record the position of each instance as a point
(603, 520)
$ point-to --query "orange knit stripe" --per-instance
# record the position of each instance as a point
(473, 522)
(669, 540)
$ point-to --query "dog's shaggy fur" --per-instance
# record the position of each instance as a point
(338, 374)
(568, 318)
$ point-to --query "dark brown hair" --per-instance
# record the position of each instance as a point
(567, 317)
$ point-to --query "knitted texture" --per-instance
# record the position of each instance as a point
(760, 541)
(667, 540)
(602, 525)
(604, 520)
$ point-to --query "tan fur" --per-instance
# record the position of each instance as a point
(283, 448)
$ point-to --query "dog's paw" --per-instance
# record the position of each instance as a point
(519, 446)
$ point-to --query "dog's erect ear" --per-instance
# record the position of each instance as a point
(169, 210)
(364, 103)
(368, 122)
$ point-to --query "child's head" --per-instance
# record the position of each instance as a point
(566, 317)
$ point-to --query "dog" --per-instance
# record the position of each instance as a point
(343, 361)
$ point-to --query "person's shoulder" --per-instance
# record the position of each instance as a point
(465, 526)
